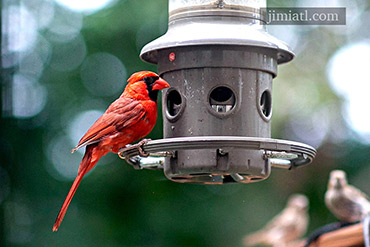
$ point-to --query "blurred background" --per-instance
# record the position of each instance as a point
(64, 61)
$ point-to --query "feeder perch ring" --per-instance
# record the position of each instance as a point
(282, 153)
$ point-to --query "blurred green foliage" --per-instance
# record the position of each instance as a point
(116, 205)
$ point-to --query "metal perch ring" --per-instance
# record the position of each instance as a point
(282, 153)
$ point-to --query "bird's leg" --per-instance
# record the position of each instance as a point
(121, 156)
(138, 146)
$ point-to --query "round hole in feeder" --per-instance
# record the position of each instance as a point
(222, 99)
(265, 104)
(175, 104)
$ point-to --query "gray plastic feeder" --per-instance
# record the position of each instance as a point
(220, 62)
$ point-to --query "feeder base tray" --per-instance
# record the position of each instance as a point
(163, 154)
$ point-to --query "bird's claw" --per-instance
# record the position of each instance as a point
(121, 155)
(138, 146)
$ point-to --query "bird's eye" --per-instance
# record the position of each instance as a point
(149, 80)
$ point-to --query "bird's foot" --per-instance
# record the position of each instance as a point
(138, 146)
(121, 155)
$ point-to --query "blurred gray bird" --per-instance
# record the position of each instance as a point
(346, 202)
(288, 226)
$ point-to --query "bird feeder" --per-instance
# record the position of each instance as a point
(220, 62)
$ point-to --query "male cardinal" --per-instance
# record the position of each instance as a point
(131, 117)
(346, 202)
(288, 226)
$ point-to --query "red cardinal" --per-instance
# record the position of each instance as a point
(131, 117)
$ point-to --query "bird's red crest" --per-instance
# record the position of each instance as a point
(138, 76)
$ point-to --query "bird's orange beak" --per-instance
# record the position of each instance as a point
(160, 84)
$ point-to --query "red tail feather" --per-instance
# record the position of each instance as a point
(66, 203)
(85, 163)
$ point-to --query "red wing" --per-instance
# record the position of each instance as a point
(121, 113)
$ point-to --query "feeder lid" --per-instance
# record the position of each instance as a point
(225, 28)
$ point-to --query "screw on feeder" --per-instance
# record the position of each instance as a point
(222, 152)
(220, 62)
